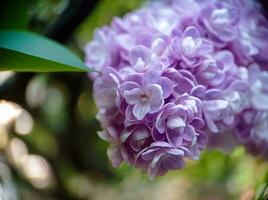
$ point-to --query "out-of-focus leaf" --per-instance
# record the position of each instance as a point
(28, 52)
(98, 18)
(13, 14)
(262, 192)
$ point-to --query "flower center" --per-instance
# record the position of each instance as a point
(144, 97)
(189, 45)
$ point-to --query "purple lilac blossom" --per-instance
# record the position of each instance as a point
(176, 74)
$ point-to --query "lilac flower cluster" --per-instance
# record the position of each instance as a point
(177, 71)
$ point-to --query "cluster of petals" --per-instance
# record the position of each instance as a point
(175, 72)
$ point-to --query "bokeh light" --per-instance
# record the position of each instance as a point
(4, 76)
(3, 137)
(16, 151)
(36, 91)
(24, 123)
(37, 170)
(8, 112)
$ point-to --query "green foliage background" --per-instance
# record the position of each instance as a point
(64, 130)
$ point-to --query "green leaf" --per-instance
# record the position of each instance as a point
(28, 52)
(20, 17)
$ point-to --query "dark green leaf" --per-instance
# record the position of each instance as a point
(29, 52)
(14, 14)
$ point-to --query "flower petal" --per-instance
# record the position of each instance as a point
(133, 96)
(191, 31)
(141, 109)
(115, 156)
(139, 53)
(260, 101)
(173, 162)
(155, 94)
(151, 77)
(166, 86)
(211, 124)
(126, 86)
(105, 136)
(175, 122)
(215, 105)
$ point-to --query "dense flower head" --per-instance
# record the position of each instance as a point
(175, 72)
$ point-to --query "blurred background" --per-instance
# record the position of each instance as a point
(49, 149)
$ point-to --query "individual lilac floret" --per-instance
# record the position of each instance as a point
(251, 131)
(260, 129)
(177, 120)
(258, 92)
(190, 47)
(252, 125)
(221, 20)
(214, 69)
(100, 49)
(106, 89)
(142, 59)
(251, 44)
(145, 94)
(181, 123)
(161, 157)
(175, 75)
(114, 153)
